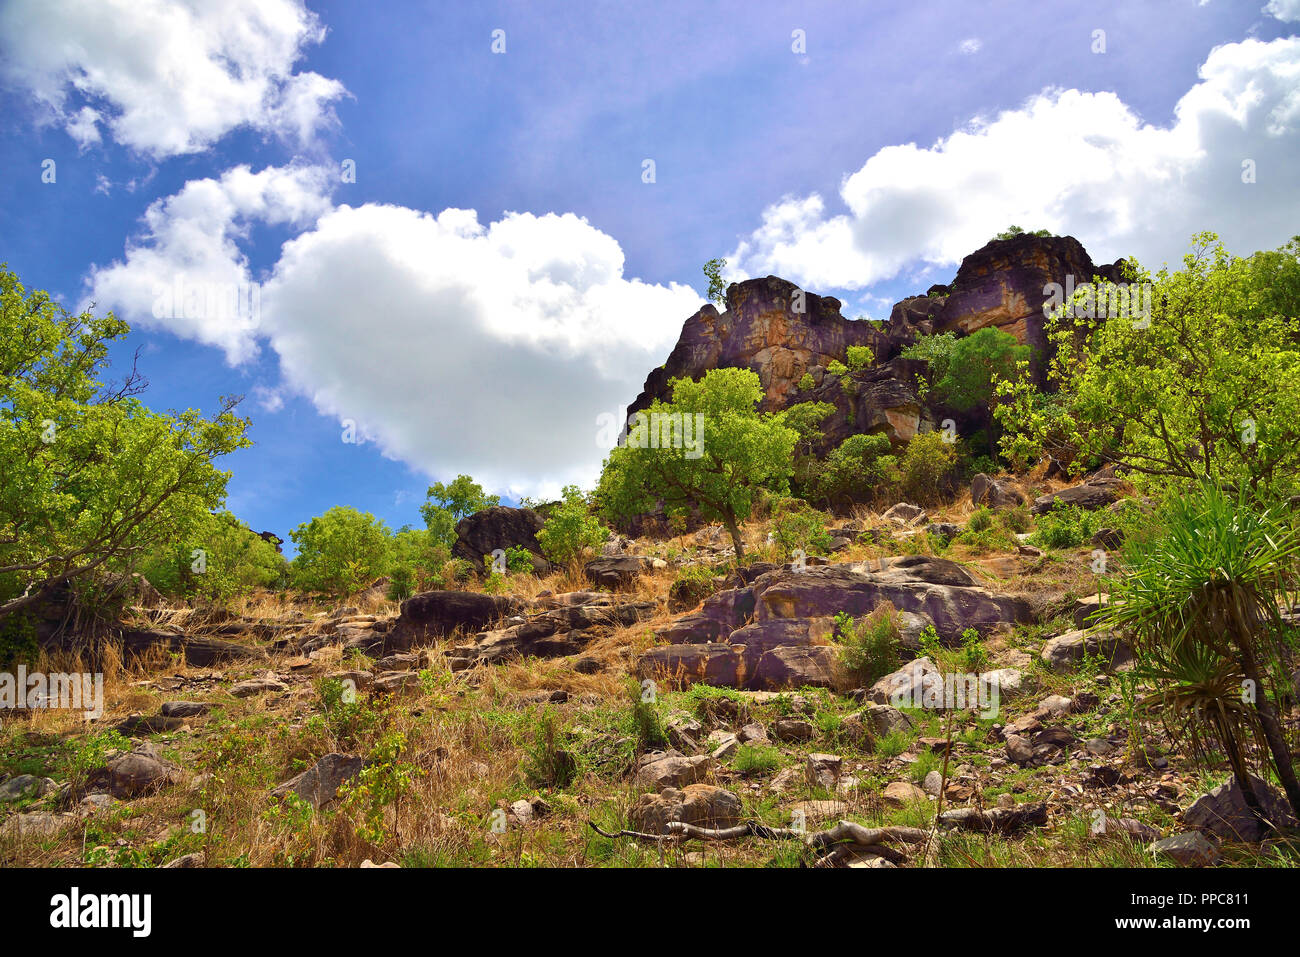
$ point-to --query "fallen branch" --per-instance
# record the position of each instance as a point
(1002, 820)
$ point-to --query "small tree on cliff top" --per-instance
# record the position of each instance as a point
(709, 448)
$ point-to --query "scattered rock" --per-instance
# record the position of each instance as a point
(256, 686)
(1191, 849)
(700, 804)
(670, 769)
(1224, 813)
(319, 784)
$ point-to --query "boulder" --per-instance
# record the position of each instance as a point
(25, 786)
(1191, 849)
(670, 769)
(1224, 814)
(1066, 651)
(913, 684)
(431, 615)
(138, 771)
(1091, 495)
(986, 490)
(617, 572)
(499, 526)
(902, 793)
(700, 804)
(256, 686)
(319, 784)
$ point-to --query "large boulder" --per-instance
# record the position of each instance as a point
(499, 527)
(431, 615)
(1066, 651)
(986, 490)
(1224, 813)
(1003, 285)
(319, 784)
(1091, 495)
(615, 572)
(703, 805)
(935, 587)
(770, 326)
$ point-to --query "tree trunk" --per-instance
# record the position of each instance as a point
(734, 530)
(1272, 731)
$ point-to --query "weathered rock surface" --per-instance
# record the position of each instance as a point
(1224, 813)
(1091, 495)
(703, 805)
(319, 784)
(435, 614)
(499, 526)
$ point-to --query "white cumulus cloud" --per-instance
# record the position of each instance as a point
(187, 273)
(456, 346)
(168, 77)
(1074, 162)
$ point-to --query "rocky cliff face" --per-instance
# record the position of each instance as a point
(763, 329)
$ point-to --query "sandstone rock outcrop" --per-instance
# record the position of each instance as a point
(499, 526)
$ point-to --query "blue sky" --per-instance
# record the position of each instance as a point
(862, 164)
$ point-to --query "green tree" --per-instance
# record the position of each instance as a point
(416, 559)
(717, 288)
(571, 528)
(858, 470)
(735, 452)
(1203, 384)
(222, 557)
(91, 479)
(340, 551)
(1011, 232)
(445, 505)
(1200, 605)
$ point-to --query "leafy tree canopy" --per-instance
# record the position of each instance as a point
(92, 479)
(445, 505)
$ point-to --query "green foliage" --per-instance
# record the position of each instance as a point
(646, 723)
(936, 351)
(1205, 386)
(340, 552)
(869, 646)
(799, 526)
(1066, 526)
(546, 762)
(1011, 232)
(927, 467)
(415, 563)
(382, 781)
(756, 759)
(860, 357)
(837, 368)
(859, 469)
(692, 584)
(1200, 607)
(806, 381)
(980, 519)
(737, 452)
(18, 643)
(717, 288)
(222, 558)
(445, 505)
(92, 479)
(571, 529)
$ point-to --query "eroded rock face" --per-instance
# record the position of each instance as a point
(761, 330)
(319, 784)
(776, 633)
(1001, 285)
(435, 614)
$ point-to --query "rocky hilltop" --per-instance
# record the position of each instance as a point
(762, 329)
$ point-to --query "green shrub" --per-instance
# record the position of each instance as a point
(571, 529)
(800, 526)
(926, 468)
(980, 519)
(756, 759)
(869, 646)
(340, 551)
(691, 586)
(860, 469)
(860, 357)
(1066, 526)
(806, 381)
(837, 368)
(546, 762)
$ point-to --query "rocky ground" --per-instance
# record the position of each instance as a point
(604, 715)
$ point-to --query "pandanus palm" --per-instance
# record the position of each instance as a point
(1201, 606)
